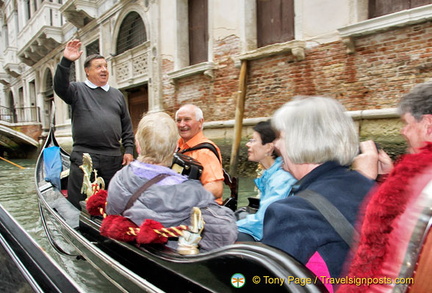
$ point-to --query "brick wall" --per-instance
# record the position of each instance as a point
(216, 97)
(32, 130)
(384, 66)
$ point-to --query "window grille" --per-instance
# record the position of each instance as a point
(132, 33)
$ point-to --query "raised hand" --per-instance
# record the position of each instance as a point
(367, 161)
(72, 50)
(372, 162)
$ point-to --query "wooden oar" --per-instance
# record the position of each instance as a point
(16, 165)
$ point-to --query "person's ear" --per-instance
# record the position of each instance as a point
(138, 148)
(427, 120)
(270, 148)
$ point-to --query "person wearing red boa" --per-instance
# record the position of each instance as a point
(399, 207)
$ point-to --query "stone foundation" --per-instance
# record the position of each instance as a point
(382, 126)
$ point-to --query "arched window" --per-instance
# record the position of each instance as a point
(132, 33)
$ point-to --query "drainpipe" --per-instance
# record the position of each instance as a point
(238, 124)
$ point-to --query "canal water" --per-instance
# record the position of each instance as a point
(18, 197)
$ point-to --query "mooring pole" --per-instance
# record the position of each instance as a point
(241, 96)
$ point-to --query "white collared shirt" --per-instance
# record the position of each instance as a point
(93, 86)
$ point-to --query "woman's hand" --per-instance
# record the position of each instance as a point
(385, 163)
(372, 162)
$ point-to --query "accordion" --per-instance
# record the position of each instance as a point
(187, 166)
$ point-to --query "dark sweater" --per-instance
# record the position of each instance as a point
(100, 119)
(294, 226)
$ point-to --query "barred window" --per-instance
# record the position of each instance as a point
(132, 33)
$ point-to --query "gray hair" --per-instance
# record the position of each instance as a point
(418, 102)
(317, 130)
(157, 137)
(198, 112)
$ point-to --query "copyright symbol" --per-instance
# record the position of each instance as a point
(256, 280)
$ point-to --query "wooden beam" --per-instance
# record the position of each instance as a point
(239, 113)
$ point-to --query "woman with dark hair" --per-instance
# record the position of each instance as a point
(274, 183)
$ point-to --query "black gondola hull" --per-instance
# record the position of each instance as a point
(158, 268)
(24, 265)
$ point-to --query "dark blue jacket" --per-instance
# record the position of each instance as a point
(294, 226)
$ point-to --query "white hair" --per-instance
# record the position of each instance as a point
(317, 130)
(198, 112)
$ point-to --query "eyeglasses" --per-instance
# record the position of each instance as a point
(252, 140)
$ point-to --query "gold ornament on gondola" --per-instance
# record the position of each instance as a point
(88, 187)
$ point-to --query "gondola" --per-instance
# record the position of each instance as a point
(157, 268)
(25, 267)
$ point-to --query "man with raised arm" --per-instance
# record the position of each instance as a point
(100, 119)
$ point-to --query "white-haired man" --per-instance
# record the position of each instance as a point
(190, 120)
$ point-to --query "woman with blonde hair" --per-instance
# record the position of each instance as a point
(170, 200)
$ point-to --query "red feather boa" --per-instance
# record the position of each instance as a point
(387, 203)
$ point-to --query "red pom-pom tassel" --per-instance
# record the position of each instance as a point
(96, 203)
(119, 228)
(147, 233)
